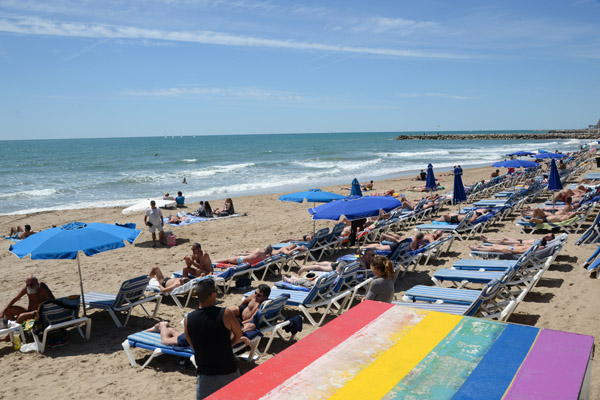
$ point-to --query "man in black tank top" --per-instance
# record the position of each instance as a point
(211, 331)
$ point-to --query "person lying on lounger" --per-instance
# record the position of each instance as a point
(308, 280)
(166, 284)
(456, 218)
(392, 240)
(245, 312)
(259, 254)
(20, 233)
(508, 241)
(575, 194)
(539, 216)
(327, 266)
(172, 337)
(418, 241)
(528, 211)
(199, 264)
(508, 249)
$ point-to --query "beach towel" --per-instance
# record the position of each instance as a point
(190, 219)
(13, 238)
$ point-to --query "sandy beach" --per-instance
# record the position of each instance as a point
(564, 299)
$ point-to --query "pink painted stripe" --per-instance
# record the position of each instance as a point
(266, 377)
(554, 368)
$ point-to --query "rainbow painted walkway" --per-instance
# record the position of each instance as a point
(378, 350)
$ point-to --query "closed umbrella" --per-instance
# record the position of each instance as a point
(355, 207)
(430, 181)
(355, 191)
(67, 241)
(459, 194)
(554, 182)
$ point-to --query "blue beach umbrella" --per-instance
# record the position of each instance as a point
(430, 180)
(550, 155)
(515, 164)
(521, 154)
(354, 207)
(459, 190)
(355, 191)
(554, 182)
(67, 241)
(311, 195)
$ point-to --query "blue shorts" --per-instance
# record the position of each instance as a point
(182, 341)
(240, 260)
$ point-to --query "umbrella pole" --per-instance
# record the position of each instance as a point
(81, 286)
(314, 223)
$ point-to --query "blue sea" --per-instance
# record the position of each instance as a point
(39, 175)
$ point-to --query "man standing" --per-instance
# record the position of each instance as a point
(37, 293)
(154, 220)
(211, 331)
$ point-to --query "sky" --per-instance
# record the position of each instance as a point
(75, 69)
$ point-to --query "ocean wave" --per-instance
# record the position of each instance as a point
(414, 154)
(339, 165)
(189, 160)
(26, 194)
(218, 169)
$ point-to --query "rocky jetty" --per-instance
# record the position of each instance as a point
(554, 134)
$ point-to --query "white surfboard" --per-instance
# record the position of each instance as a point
(145, 204)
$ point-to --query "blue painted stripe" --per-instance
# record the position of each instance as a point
(492, 377)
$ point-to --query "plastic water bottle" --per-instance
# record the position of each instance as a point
(16, 341)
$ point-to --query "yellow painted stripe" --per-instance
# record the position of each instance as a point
(392, 366)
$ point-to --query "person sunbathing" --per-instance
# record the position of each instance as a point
(418, 241)
(507, 249)
(177, 219)
(259, 254)
(389, 243)
(20, 233)
(528, 211)
(456, 218)
(539, 216)
(245, 312)
(508, 241)
(308, 281)
(327, 266)
(166, 284)
(36, 292)
(169, 336)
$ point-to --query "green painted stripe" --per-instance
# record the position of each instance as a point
(444, 370)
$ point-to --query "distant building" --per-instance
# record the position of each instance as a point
(594, 128)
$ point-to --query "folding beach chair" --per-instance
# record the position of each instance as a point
(187, 289)
(132, 293)
(59, 314)
(151, 341)
(462, 230)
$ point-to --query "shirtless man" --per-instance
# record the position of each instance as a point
(327, 266)
(169, 336)
(245, 312)
(506, 249)
(455, 218)
(539, 216)
(166, 284)
(199, 264)
(528, 212)
(20, 233)
(508, 241)
(418, 241)
(37, 293)
(259, 254)
(432, 237)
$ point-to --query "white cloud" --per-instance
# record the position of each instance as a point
(396, 25)
(252, 93)
(39, 26)
(442, 95)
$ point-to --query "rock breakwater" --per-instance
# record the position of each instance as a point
(554, 134)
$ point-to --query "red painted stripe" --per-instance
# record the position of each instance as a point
(267, 376)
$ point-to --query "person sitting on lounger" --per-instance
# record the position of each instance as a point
(199, 264)
(245, 312)
(456, 218)
(20, 233)
(259, 254)
(37, 293)
(508, 249)
(327, 266)
(227, 209)
(166, 284)
(508, 241)
(540, 217)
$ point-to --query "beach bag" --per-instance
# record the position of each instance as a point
(171, 240)
(243, 282)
